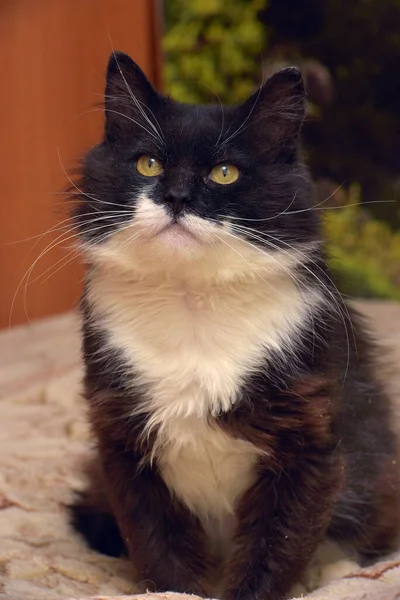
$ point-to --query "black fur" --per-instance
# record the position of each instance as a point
(260, 137)
(317, 408)
(99, 528)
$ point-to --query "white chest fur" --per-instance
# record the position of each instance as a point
(208, 471)
(192, 349)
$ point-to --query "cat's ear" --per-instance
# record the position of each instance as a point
(277, 108)
(129, 96)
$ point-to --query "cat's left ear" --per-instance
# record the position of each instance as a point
(277, 108)
(129, 97)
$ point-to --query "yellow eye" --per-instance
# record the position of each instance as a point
(224, 174)
(149, 166)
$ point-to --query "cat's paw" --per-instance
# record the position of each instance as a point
(329, 563)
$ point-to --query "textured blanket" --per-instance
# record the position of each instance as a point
(43, 443)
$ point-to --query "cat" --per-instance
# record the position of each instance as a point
(231, 389)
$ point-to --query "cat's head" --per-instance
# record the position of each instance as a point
(175, 187)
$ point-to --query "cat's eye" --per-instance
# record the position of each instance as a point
(224, 174)
(149, 166)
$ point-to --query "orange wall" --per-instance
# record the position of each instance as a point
(54, 54)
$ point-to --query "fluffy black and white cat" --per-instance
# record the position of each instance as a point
(231, 390)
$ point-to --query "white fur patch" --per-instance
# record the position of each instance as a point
(194, 323)
(209, 471)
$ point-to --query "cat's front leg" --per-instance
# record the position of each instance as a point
(164, 540)
(281, 520)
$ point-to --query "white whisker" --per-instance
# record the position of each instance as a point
(137, 103)
(75, 252)
(239, 129)
(59, 226)
(67, 234)
(339, 307)
(115, 112)
(267, 219)
(295, 212)
(70, 180)
(247, 262)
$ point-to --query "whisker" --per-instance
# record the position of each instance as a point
(97, 200)
(267, 219)
(116, 112)
(239, 129)
(74, 252)
(27, 273)
(62, 241)
(131, 238)
(292, 276)
(316, 207)
(64, 237)
(247, 262)
(59, 226)
(273, 258)
(307, 258)
(64, 228)
(138, 103)
(223, 118)
(284, 212)
(295, 212)
(81, 192)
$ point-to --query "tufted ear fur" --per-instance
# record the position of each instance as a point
(129, 96)
(277, 109)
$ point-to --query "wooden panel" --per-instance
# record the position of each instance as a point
(54, 54)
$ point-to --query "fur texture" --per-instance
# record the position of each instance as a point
(230, 388)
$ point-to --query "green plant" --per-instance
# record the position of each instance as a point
(364, 252)
(213, 48)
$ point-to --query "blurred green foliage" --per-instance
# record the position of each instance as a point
(213, 48)
(364, 252)
(214, 53)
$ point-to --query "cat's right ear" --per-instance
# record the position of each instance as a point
(129, 97)
(277, 108)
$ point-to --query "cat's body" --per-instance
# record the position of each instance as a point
(230, 388)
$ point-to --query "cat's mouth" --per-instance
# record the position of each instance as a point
(177, 234)
(155, 225)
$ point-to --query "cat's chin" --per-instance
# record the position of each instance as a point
(177, 236)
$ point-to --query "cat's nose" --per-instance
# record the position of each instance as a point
(177, 198)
